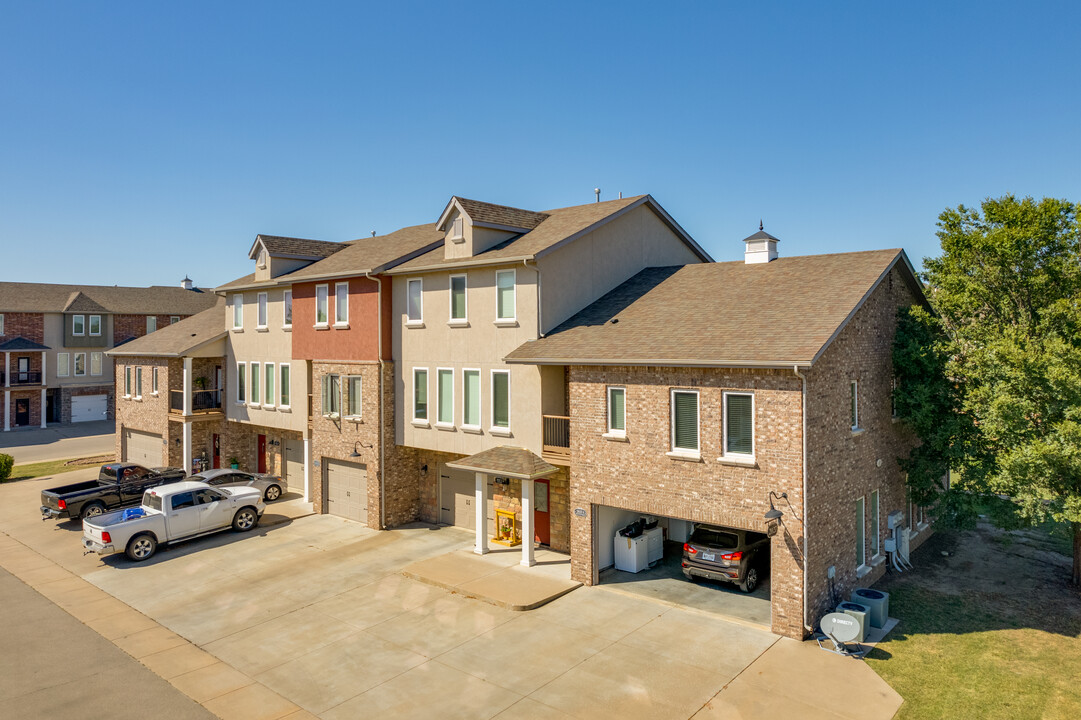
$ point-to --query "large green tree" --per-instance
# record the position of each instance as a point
(991, 381)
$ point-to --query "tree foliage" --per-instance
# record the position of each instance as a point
(6, 463)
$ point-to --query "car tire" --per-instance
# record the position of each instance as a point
(246, 518)
(272, 493)
(750, 581)
(91, 510)
(141, 547)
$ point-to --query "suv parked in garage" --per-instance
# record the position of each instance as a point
(725, 554)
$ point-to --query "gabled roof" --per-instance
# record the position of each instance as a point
(298, 248)
(492, 215)
(79, 302)
(153, 300)
(21, 343)
(506, 460)
(731, 314)
(180, 338)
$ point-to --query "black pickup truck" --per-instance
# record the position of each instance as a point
(118, 485)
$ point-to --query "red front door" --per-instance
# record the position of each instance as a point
(262, 454)
(217, 451)
(541, 520)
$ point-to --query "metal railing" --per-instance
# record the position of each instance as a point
(21, 378)
(557, 435)
(202, 401)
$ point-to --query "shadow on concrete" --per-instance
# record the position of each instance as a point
(24, 437)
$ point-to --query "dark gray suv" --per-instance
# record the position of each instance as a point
(726, 554)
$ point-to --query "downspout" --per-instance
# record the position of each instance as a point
(382, 410)
(803, 413)
(540, 325)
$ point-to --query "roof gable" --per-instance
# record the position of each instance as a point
(295, 248)
(499, 217)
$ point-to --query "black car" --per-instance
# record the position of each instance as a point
(726, 554)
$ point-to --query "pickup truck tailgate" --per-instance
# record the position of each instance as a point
(93, 532)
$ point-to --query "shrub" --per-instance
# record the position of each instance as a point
(6, 463)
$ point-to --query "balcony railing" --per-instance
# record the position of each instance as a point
(557, 436)
(202, 401)
(21, 378)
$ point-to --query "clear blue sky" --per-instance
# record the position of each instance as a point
(142, 141)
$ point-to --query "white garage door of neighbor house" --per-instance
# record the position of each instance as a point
(294, 465)
(85, 408)
(143, 448)
(458, 495)
(347, 489)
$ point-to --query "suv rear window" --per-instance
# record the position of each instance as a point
(152, 501)
(714, 538)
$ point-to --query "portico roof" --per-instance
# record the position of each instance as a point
(21, 343)
(505, 460)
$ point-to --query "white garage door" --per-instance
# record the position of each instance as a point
(347, 489)
(143, 448)
(294, 465)
(85, 408)
(458, 494)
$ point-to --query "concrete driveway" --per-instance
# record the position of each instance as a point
(59, 442)
(316, 610)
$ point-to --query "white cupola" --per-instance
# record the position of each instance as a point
(761, 247)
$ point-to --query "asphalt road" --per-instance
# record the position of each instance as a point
(53, 666)
(59, 442)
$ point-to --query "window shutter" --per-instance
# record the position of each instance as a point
(501, 400)
(686, 420)
(740, 423)
(326, 394)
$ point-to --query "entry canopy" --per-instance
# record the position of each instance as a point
(505, 460)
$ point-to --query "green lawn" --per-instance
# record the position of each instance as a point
(53, 467)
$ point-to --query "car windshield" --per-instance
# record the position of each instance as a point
(152, 501)
(714, 537)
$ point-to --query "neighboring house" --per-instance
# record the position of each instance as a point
(54, 338)
(713, 393)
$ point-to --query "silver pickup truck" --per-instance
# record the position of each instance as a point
(170, 513)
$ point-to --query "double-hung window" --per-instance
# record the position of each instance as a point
(420, 395)
(78, 324)
(241, 383)
(738, 425)
(504, 296)
(95, 363)
(95, 325)
(853, 405)
(287, 318)
(617, 412)
(332, 395)
(260, 322)
(80, 365)
(238, 311)
(354, 397)
(1, 323)
(471, 399)
(151, 323)
(173, 319)
(127, 381)
(445, 397)
(414, 301)
(341, 304)
(861, 550)
(256, 389)
(457, 300)
(322, 310)
(268, 381)
(874, 524)
(685, 423)
(501, 402)
(138, 379)
(63, 365)
(283, 387)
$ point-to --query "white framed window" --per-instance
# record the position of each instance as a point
(354, 400)
(154, 381)
(420, 395)
(241, 383)
(95, 363)
(287, 311)
(617, 411)
(738, 421)
(457, 299)
(283, 386)
(500, 402)
(414, 301)
(174, 319)
(151, 323)
(268, 382)
(505, 305)
(138, 380)
(471, 399)
(457, 230)
(1, 323)
(260, 317)
(95, 325)
(63, 364)
(238, 311)
(341, 304)
(684, 423)
(853, 405)
(861, 550)
(80, 365)
(260, 262)
(127, 381)
(256, 388)
(875, 549)
(78, 324)
(444, 395)
(332, 396)
(322, 309)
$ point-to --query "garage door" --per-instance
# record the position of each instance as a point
(347, 489)
(143, 448)
(85, 408)
(458, 490)
(294, 465)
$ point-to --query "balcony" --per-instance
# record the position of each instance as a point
(557, 438)
(21, 378)
(202, 402)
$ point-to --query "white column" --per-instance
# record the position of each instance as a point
(307, 468)
(7, 410)
(187, 386)
(187, 448)
(7, 369)
(527, 524)
(44, 382)
(482, 514)
(45, 375)
(43, 407)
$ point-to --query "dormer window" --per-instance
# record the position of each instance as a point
(457, 232)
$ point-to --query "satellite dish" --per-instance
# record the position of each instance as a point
(840, 627)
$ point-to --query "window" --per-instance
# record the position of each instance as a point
(444, 397)
(288, 317)
(260, 318)
(456, 233)
(268, 378)
(739, 424)
(78, 324)
(341, 303)
(617, 411)
(174, 319)
(63, 364)
(332, 395)
(854, 406)
(151, 323)
(238, 311)
(504, 295)
(95, 325)
(253, 398)
(874, 524)
(471, 398)
(321, 311)
(861, 553)
(284, 385)
(500, 399)
(183, 500)
(457, 297)
(240, 383)
(154, 381)
(138, 378)
(260, 262)
(414, 301)
(80, 365)
(127, 380)
(685, 422)
(95, 363)
(354, 397)
(420, 394)
(1, 323)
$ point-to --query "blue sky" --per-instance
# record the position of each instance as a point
(142, 141)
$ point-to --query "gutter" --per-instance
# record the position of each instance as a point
(803, 414)
(663, 362)
(382, 409)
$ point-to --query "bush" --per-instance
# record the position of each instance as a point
(6, 463)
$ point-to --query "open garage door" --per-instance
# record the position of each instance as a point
(346, 489)
(87, 408)
(457, 493)
(651, 565)
(143, 448)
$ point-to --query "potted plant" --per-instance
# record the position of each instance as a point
(234, 463)
(200, 382)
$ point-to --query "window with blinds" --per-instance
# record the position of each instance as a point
(738, 424)
(500, 399)
(685, 421)
(420, 394)
(445, 395)
(471, 398)
(457, 297)
(617, 421)
(504, 284)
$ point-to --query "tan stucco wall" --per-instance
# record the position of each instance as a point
(54, 338)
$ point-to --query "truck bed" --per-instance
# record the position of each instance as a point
(75, 488)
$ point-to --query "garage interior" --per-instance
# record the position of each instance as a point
(662, 578)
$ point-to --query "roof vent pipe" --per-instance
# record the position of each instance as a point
(597, 192)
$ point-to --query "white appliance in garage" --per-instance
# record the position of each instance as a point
(85, 408)
(636, 554)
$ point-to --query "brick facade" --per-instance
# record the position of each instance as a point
(28, 325)
(127, 327)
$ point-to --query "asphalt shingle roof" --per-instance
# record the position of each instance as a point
(21, 343)
(299, 247)
(514, 462)
(482, 212)
(177, 339)
(153, 300)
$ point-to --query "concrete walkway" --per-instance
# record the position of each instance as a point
(59, 442)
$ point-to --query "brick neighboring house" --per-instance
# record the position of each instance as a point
(54, 338)
(695, 392)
